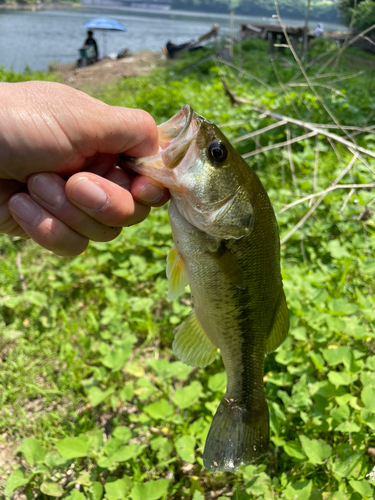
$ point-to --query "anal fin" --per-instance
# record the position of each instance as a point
(280, 325)
(191, 344)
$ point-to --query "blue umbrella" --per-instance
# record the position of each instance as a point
(103, 23)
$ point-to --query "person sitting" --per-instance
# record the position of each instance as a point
(90, 41)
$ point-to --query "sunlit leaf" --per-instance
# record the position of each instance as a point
(317, 450)
(74, 447)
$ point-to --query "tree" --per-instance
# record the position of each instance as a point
(359, 14)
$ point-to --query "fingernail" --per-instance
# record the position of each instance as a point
(150, 194)
(48, 189)
(88, 194)
(23, 207)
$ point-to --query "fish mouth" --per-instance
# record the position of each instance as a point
(176, 148)
(176, 136)
(176, 127)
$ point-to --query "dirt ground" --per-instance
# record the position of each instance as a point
(97, 76)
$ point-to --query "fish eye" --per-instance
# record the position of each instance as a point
(217, 151)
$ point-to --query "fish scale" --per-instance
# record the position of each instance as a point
(227, 249)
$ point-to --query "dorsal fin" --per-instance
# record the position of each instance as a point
(191, 344)
(280, 325)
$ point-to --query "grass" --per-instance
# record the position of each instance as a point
(93, 402)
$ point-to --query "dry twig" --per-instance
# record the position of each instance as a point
(324, 192)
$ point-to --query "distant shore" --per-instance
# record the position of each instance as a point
(40, 6)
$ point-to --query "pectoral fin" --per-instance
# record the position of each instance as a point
(176, 274)
(229, 265)
(280, 325)
(191, 344)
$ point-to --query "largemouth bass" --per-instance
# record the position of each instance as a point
(227, 249)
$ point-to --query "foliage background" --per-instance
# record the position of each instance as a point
(93, 403)
(357, 14)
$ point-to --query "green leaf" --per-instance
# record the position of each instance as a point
(54, 460)
(51, 489)
(317, 450)
(125, 453)
(337, 355)
(127, 392)
(74, 447)
(198, 495)
(363, 488)
(123, 433)
(162, 446)
(348, 462)
(259, 485)
(185, 447)
(97, 396)
(370, 363)
(298, 491)
(317, 359)
(160, 410)
(217, 382)
(341, 378)
(342, 307)
(76, 495)
(96, 491)
(187, 396)
(117, 358)
(368, 379)
(368, 418)
(367, 266)
(293, 449)
(150, 491)
(84, 478)
(368, 398)
(337, 250)
(15, 481)
(179, 370)
(32, 451)
(117, 490)
(348, 427)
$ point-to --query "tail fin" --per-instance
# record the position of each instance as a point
(237, 436)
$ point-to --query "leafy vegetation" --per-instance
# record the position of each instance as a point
(93, 403)
(359, 15)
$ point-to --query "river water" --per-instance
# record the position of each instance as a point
(38, 38)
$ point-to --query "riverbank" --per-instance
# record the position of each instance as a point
(40, 6)
(97, 76)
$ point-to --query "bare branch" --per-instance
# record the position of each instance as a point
(318, 130)
(259, 131)
(324, 192)
(279, 144)
(291, 164)
(351, 192)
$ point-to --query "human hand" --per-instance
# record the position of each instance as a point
(59, 183)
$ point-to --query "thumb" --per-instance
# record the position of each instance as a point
(125, 130)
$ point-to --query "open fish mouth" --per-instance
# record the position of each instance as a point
(176, 135)
(176, 127)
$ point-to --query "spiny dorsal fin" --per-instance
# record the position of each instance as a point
(280, 325)
(229, 265)
(191, 344)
